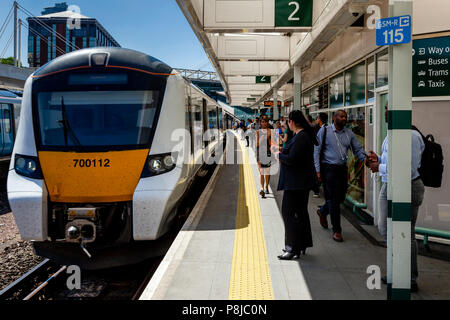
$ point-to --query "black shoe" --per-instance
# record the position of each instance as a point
(414, 287)
(288, 256)
(302, 252)
(263, 195)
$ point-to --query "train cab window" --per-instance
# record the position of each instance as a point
(7, 121)
(101, 118)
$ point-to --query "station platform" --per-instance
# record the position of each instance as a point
(228, 249)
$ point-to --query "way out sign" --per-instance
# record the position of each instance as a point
(394, 30)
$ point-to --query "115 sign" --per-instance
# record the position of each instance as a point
(394, 30)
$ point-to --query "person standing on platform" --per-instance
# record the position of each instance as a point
(380, 164)
(321, 120)
(263, 154)
(330, 159)
(257, 124)
(297, 177)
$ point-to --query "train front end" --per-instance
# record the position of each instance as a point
(86, 129)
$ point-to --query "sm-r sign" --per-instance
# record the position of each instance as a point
(293, 13)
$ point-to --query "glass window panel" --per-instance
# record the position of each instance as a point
(370, 79)
(382, 68)
(97, 118)
(355, 85)
(337, 91)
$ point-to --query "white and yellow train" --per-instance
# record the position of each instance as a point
(93, 167)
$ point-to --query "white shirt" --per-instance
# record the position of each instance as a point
(418, 146)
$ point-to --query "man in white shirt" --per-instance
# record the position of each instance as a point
(380, 164)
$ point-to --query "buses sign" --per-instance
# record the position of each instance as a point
(394, 30)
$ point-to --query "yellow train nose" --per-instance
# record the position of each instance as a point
(92, 177)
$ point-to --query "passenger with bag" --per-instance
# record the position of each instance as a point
(263, 154)
(297, 177)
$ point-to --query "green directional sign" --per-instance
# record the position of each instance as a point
(431, 64)
(293, 13)
(263, 79)
(251, 99)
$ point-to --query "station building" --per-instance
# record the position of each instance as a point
(46, 34)
(258, 47)
(352, 73)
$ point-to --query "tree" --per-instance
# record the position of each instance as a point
(10, 61)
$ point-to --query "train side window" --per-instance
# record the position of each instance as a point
(7, 120)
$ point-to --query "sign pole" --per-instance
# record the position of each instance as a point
(297, 88)
(275, 104)
(399, 171)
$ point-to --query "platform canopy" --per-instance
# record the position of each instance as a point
(254, 45)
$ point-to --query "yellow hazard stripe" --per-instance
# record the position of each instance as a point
(250, 274)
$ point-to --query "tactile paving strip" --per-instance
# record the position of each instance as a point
(250, 275)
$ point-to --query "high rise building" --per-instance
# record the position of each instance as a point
(50, 35)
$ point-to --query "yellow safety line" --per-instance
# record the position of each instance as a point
(250, 274)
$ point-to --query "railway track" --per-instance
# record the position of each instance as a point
(48, 281)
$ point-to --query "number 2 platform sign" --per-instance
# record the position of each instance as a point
(394, 30)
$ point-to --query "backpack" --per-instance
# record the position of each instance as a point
(432, 165)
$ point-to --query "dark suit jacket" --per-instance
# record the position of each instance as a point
(297, 170)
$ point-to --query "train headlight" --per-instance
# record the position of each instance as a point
(159, 164)
(155, 165)
(168, 161)
(27, 166)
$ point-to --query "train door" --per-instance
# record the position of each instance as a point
(6, 128)
(379, 132)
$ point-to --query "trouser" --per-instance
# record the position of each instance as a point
(417, 194)
(334, 178)
(294, 209)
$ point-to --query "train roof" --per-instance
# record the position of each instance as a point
(117, 57)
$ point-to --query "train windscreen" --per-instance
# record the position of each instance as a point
(96, 118)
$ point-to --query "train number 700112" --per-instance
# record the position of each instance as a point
(92, 163)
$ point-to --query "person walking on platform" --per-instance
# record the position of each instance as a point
(248, 131)
(380, 164)
(297, 177)
(263, 154)
(321, 120)
(330, 159)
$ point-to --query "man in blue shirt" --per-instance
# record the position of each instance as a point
(380, 164)
(331, 168)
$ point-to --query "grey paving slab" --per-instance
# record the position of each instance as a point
(221, 282)
(329, 270)
(192, 281)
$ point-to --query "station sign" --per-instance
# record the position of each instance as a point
(263, 79)
(431, 59)
(293, 13)
(270, 103)
(393, 30)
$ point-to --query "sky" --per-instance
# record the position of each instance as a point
(155, 27)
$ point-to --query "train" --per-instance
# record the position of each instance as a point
(10, 104)
(98, 169)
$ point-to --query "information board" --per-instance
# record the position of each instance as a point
(431, 76)
(293, 13)
(263, 79)
(393, 30)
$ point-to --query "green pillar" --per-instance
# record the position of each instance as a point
(399, 182)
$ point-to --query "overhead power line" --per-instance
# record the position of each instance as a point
(36, 33)
(5, 23)
(2, 55)
(43, 25)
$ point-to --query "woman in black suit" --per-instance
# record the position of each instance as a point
(297, 178)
